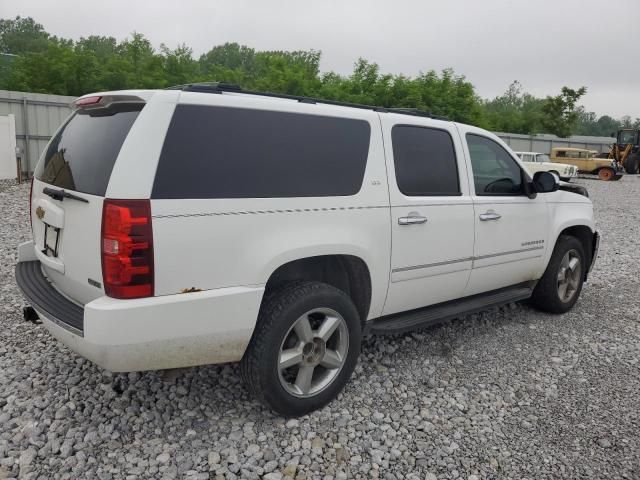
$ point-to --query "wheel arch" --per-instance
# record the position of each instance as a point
(585, 234)
(347, 272)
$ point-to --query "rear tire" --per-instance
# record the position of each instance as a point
(560, 286)
(304, 347)
(632, 165)
(606, 174)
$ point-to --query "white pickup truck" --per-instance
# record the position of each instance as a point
(207, 224)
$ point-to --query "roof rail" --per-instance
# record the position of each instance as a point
(220, 87)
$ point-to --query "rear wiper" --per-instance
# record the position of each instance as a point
(61, 195)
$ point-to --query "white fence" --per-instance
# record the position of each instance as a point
(7, 147)
(37, 117)
(543, 143)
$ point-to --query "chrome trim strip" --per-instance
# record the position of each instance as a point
(429, 274)
(510, 252)
(511, 260)
(428, 265)
(467, 259)
(258, 212)
(447, 204)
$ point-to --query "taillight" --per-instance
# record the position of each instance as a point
(127, 248)
(30, 203)
(88, 101)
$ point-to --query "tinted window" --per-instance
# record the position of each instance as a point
(81, 156)
(425, 161)
(495, 172)
(218, 152)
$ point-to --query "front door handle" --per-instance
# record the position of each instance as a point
(490, 215)
(413, 218)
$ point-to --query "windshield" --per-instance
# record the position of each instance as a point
(627, 136)
(81, 156)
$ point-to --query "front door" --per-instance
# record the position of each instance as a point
(510, 228)
(431, 213)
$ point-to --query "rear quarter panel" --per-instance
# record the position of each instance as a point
(214, 243)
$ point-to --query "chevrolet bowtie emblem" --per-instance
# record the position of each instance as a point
(40, 213)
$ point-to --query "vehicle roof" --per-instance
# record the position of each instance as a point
(530, 153)
(276, 98)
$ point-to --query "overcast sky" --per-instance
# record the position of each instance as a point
(544, 44)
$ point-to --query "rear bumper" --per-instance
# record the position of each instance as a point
(155, 333)
(46, 300)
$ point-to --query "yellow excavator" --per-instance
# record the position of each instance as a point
(626, 150)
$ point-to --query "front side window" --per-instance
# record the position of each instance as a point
(495, 172)
(425, 161)
(543, 158)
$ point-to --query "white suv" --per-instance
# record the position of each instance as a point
(207, 224)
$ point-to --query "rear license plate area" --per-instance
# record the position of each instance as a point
(51, 240)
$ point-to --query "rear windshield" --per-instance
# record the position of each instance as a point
(81, 156)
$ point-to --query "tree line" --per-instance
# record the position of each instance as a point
(37, 61)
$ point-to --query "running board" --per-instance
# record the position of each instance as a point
(441, 312)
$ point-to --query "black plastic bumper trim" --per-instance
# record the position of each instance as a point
(46, 299)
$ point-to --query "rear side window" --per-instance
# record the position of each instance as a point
(221, 152)
(425, 161)
(81, 156)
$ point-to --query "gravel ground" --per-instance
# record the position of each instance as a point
(511, 393)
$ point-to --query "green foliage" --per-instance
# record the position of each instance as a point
(22, 35)
(559, 112)
(46, 64)
(515, 111)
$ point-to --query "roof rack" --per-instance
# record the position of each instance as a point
(220, 87)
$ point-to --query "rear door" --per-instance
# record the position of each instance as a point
(431, 213)
(69, 186)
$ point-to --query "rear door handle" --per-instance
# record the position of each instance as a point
(412, 219)
(490, 215)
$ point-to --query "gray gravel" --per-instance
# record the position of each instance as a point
(511, 393)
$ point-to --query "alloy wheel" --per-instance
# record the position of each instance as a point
(313, 352)
(569, 275)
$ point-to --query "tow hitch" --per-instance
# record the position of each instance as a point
(30, 315)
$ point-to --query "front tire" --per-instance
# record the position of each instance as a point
(632, 164)
(560, 286)
(606, 174)
(303, 349)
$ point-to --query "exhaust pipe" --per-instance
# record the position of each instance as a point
(30, 315)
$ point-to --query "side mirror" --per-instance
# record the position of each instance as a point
(545, 182)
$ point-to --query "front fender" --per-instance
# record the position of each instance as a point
(567, 210)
